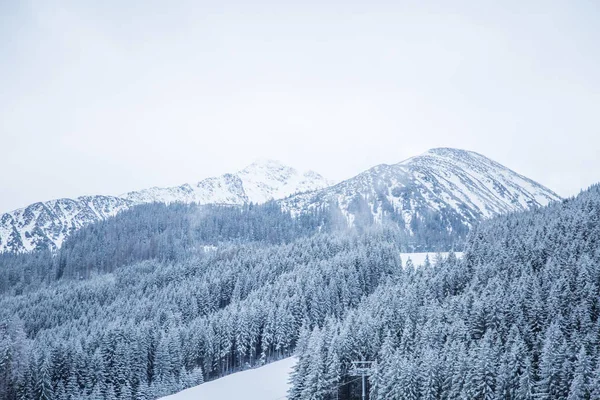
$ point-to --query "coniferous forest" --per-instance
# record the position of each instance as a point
(154, 300)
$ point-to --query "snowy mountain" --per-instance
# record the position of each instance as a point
(442, 190)
(47, 224)
(445, 186)
(258, 183)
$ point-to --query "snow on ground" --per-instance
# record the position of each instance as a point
(269, 382)
(419, 258)
(208, 248)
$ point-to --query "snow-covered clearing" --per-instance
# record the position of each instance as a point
(419, 258)
(269, 382)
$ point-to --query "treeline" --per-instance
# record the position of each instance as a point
(516, 319)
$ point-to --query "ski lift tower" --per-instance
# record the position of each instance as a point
(362, 369)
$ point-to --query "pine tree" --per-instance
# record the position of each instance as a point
(409, 385)
(579, 388)
(143, 392)
(72, 388)
(333, 371)
(481, 380)
(377, 380)
(430, 375)
(550, 385)
(43, 386)
(315, 384)
(525, 390)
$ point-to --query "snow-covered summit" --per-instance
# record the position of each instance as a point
(456, 185)
(47, 224)
(484, 185)
(259, 182)
(265, 180)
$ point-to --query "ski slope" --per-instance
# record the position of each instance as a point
(269, 382)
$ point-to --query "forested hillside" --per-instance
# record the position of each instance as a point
(517, 318)
(153, 328)
(160, 232)
(169, 233)
(137, 308)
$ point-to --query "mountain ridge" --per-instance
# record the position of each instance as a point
(443, 190)
(47, 224)
(259, 182)
(457, 184)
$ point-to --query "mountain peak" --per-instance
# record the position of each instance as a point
(460, 155)
(267, 179)
(444, 150)
(266, 163)
(268, 169)
(462, 187)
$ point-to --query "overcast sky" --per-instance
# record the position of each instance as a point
(103, 97)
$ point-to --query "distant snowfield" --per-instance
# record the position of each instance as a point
(269, 382)
(419, 258)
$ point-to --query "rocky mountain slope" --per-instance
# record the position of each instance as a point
(47, 224)
(446, 187)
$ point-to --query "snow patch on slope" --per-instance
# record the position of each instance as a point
(269, 382)
(418, 259)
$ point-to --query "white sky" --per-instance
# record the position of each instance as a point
(102, 98)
